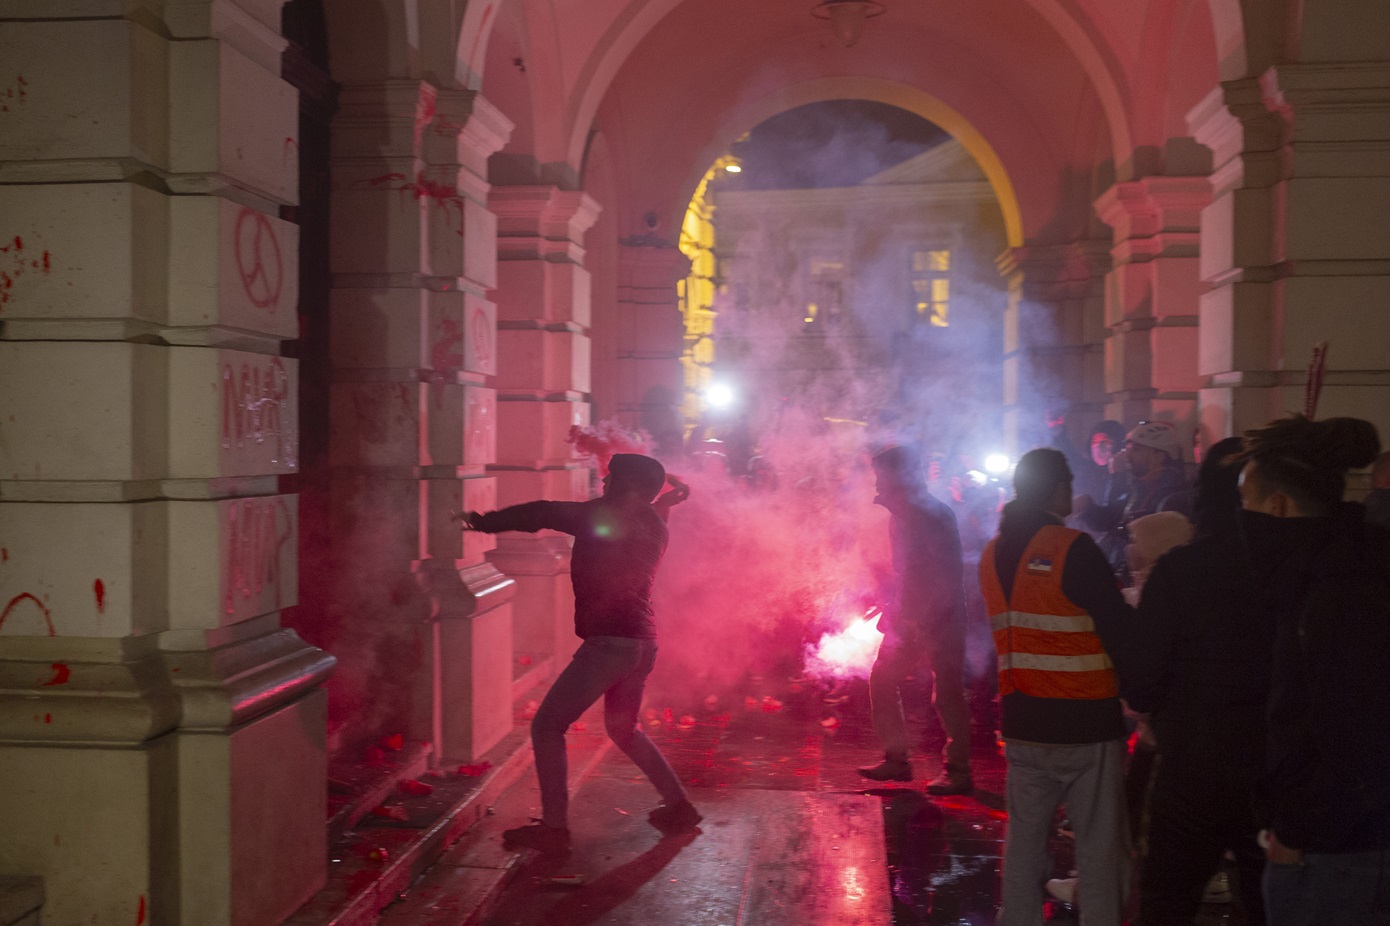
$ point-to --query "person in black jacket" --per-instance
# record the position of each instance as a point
(924, 621)
(1326, 572)
(619, 539)
(1200, 666)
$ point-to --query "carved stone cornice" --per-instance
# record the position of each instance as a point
(542, 222)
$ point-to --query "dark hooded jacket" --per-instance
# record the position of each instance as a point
(1200, 656)
(1327, 584)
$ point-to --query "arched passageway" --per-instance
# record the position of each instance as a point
(1185, 213)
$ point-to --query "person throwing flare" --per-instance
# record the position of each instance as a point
(619, 539)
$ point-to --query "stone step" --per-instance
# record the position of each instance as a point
(384, 837)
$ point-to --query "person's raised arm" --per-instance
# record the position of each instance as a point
(668, 500)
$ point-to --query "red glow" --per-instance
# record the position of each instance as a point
(603, 440)
(395, 742)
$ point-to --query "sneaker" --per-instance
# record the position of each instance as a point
(951, 781)
(888, 770)
(548, 839)
(675, 818)
(1218, 889)
(1063, 889)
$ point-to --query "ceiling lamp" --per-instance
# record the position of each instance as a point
(847, 17)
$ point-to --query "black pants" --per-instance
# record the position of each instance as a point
(1196, 813)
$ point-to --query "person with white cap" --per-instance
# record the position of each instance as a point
(1154, 458)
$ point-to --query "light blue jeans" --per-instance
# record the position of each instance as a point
(615, 668)
(1332, 889)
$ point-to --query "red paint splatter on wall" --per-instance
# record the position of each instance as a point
(444, 196)
(447, 351)
(47, 718)
(258, 259)
(25, 596)
(140, 911)
(99, 589)
(17, 264)
(4, 555)
(61, 674)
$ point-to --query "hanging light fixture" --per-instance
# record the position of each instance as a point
(847, 17)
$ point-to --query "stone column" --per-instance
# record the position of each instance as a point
(161, 736)
(1152, 294)
(651, 329)
(1054, 338)
(543, 385)
(1295, 244)
(413, 419)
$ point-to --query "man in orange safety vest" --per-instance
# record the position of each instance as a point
(1057, 617)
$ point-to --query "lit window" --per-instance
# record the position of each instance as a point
(931, 287)
(825, 286)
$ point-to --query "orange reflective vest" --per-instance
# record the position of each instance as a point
(1048, 647)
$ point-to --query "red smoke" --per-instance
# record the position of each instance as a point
(604, 439)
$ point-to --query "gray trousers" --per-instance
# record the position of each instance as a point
(1088, 780)
(616, 669)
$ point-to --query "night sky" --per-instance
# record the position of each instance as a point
(836, 143)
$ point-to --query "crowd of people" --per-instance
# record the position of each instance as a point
(1196, 662)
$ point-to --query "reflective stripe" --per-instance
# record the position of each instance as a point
(1062, 623)
(1091, 663)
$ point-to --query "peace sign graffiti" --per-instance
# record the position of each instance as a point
(258, 259)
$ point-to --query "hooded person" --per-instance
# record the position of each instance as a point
(1323, 574)
(1058, 620)
(1200, 668)
(619, 539)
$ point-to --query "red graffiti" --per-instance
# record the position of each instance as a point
(444, 196)
(444, 355)
(257, 530)
(482, 339)
(18, 93)
(140, 912)
(258, 259)
(43, 609)
(255, 407)
(61, 674)
(99, 589)
(18, 264)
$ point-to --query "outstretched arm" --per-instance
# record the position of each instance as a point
(529, 518)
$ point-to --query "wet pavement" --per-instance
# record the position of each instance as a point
(792, 835)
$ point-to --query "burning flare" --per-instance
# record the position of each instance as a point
(850, 653)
